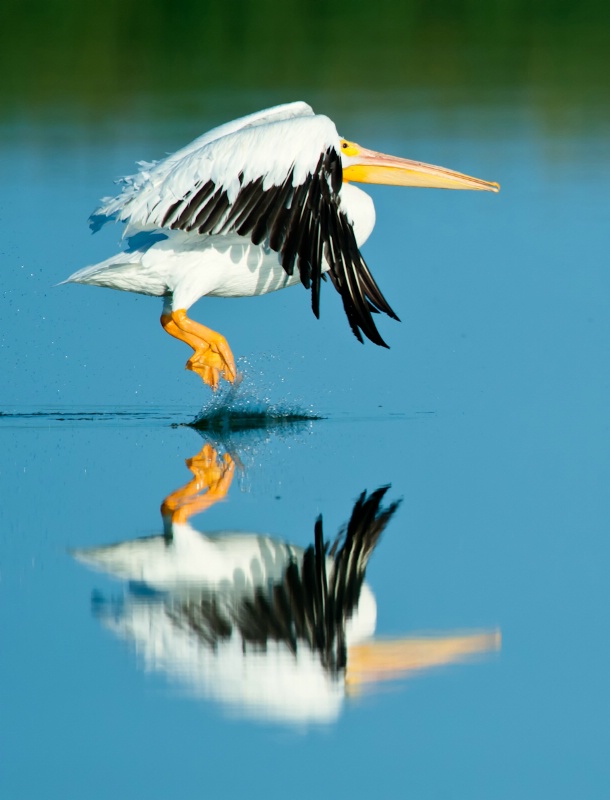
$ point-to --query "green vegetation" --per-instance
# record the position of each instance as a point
(128, 57)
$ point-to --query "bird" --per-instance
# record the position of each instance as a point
(253, 206)
(265, 627)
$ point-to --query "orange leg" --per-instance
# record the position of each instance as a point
(211, 481)
(212, 357)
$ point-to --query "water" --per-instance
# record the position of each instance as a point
(487, 418)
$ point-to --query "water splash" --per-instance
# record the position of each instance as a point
(246, 405)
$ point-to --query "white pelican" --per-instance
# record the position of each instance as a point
(265, 627)
(253, 206)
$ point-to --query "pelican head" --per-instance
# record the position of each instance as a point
(367, 166)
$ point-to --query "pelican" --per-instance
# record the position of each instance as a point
(265, 627)
(253, 206)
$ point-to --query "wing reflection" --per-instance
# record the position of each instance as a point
(269, 629)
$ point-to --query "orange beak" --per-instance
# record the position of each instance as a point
(367, 166)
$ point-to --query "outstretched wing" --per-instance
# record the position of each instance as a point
(154, 183)
(274, 177)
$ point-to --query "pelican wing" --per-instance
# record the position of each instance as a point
(274, 177)
(148, 186)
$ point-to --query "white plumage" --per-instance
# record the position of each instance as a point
(253, 206)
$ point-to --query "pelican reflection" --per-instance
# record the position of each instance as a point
(269, 629)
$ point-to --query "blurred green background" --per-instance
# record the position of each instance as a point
(73, 60)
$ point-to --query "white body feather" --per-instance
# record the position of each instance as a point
(189, 266)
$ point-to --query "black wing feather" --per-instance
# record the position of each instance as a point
(305, 225)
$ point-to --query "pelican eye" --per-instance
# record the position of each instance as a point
(349, 148)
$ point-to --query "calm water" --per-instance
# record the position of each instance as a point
(488, 418)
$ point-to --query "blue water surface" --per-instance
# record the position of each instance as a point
(488, 417)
